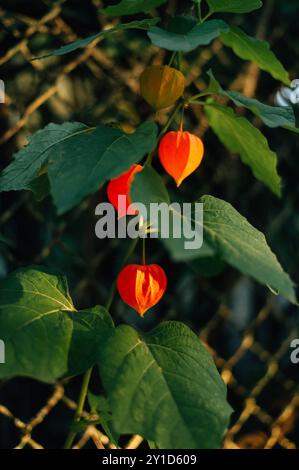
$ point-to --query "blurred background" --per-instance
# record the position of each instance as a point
(247, 329)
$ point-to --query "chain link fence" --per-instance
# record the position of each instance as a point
(262, 382)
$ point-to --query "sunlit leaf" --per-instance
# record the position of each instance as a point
(164, 386)
(45, 337)
(272, 116)
(255, 50)
(242, 138)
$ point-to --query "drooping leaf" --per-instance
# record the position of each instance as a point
(242, 246)
(255, 50)
(227, 237)
(241, 137)
(45, 338)
(81, 43)
(272, 116)
(82, 165)
(234, 6)
(130, 7)
(80, 159)
(187, 40)
(164, 386)
(148, 188)
(235, 241)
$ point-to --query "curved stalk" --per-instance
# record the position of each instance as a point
(87, 376)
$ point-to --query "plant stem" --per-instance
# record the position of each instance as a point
(179, 61)
(198, 95)
(143, 251)
(169, 121)
(149, 158)
(197, 102)
(171, 118)
(172, 58)
(124, 262)
(87, 376)
(80, 406)
(199, 11)
(182, 119)
(207, 16)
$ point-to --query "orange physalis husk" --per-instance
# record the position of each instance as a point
(161, 85)
(141, 286)
(121, 186)
(180, 154)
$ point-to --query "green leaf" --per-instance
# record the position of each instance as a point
(90, 328)
(83, 164)
(41, 146)
(148, 187)
(199, 35)
(235, 241)
(40, 187)
(255, 50)
(272, 116)
(164, 386)
(45, 338)
(227, 238)
(130, 7)
(80, 159)
(234, 6)
(242, 246)
(81, 43)
(99, 405)
(241, 137)
(178, 252)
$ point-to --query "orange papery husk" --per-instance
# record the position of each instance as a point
(121, 186)
(161, 85)
(142, 286)
(180, 153)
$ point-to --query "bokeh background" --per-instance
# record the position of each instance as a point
(247, 329)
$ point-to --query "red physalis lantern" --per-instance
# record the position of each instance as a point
(141, 286)
(180, 154)
(120, 186)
